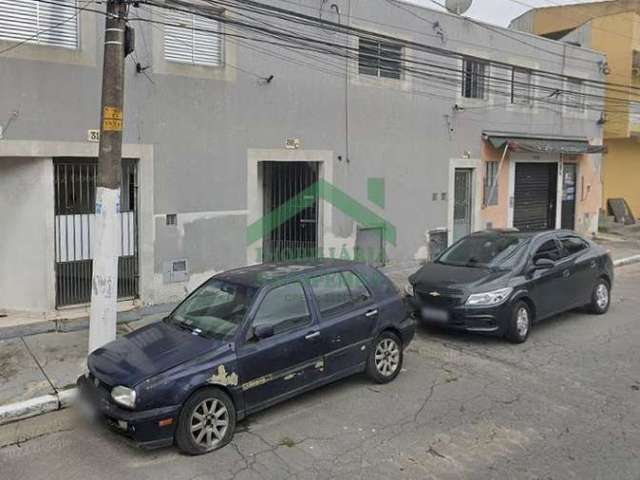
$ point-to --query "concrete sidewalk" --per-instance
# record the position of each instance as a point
(38, 370)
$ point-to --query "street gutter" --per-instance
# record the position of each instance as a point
(64, 398)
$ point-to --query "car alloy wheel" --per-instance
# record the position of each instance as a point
(387, 357)
(522, 322)
(209, 423)
(602, 296)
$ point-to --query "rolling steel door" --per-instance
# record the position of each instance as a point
(535, 196)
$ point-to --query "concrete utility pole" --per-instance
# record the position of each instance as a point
(104, 291)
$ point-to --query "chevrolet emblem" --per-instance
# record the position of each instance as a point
(434, 294)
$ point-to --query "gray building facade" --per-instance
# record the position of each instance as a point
(211, 142)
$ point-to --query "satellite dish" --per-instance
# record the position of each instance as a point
(457, 7)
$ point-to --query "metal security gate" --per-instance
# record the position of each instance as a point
(568, 212)
(291, 211)
(462, 203)
(535, 196)
(74, 225)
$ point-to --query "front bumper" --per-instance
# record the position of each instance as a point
(490, 320)
(139, 425)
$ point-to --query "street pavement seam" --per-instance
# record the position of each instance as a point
(64, 398)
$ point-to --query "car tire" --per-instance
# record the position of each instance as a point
(520, 323)
(209, 408)
(600, 297)
(385, 358)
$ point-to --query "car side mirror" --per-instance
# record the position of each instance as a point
(263, 331)
(543, 264)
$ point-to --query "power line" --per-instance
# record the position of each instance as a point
(262, 8)
(325, 44)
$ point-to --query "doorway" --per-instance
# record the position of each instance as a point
(535, 194)
(569, 176)
(290, 202)
(462, 202)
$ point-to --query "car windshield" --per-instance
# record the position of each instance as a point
(216, 309)
(484, 251)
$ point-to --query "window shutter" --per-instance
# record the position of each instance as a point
(206, 45)
(178, 39)
(188, 43)
(40, 23)
(520, 86)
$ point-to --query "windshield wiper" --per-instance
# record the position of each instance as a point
(184, 326)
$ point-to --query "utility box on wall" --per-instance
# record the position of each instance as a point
(175, 271)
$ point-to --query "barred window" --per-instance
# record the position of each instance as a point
(521, 86)
(193, 39)
(379, 59)
(574, 94)
(40, 23)
(491, 183)
(474, 79)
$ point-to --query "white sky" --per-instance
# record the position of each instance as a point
(500, 12)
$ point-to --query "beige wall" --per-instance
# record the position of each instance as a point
(588, 191)
(622, 172)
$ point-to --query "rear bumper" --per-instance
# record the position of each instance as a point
(487, 320)
(141, 426)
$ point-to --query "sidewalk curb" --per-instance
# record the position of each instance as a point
(621, 262)
(37, 406)
(65, 398)
(64, 325)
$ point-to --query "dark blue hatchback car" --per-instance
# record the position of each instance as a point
(244, 340)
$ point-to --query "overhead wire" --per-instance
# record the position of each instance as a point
(324, 45)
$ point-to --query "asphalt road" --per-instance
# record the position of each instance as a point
(564, 405)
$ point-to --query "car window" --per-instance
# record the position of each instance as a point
(216, 309)
(359, 292)
(283, 307)
(548, 250)
(482, 251)
(331, 293)
(573, 245)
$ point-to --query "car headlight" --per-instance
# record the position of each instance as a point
(408, 289)
(124, 396)
(489, 298)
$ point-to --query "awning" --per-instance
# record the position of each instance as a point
(519, 142)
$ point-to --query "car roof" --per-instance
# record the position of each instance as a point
(265, 273)
(507, 232)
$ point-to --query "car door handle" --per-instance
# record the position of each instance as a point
(371, 313)
(311, 336)
(566, 273)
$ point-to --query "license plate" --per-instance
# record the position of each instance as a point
(435, 314)
(87, 409)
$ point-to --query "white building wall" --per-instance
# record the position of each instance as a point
(26, 234)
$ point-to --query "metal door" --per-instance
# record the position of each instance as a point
(462, 203)
(291, 210)
(569, 196)
(535, 196)
(75, 198)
